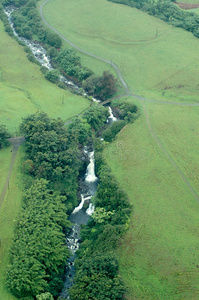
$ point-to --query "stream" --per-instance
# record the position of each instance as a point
(80, 215)
(38, 51)
(88, 187)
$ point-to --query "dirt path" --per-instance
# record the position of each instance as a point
(142, 99)
(84, 51)
(187, 5)
(16, 143)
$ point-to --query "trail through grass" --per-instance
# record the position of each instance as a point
(162, 66)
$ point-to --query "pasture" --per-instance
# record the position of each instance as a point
(9, 212)
(159, 253)
(24, 90)
(156, 59)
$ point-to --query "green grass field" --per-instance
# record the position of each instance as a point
(24, 90)
(159, 253)
(165, 66)
(5, 159)
(8, 214)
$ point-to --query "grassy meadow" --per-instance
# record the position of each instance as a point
(24, 90)
(162, 66)
(8, 214)
(159, 254)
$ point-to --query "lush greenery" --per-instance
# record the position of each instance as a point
(96, 116)
(102, 87)
(110, 132)
(164, 223)
(169, 74)
(28, 24)
(9, 211)
(4, 135)
(168, 12)
(97, 266)
(39, 253)
(51, 168)
(69, 62)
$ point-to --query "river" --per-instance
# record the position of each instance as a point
(88, 188)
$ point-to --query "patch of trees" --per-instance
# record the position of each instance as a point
(96, 115)
(101, 87)
(69, 62)
(39, 253)
(111, 131)
(4, 135)
(168, 12)
(51, 168)
(53, 152)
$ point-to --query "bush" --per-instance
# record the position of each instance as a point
(52, 75)
(111, 131)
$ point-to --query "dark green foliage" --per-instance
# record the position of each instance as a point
(80, 129)
(97, 279)
(39, 252)
(69, 62)
(110, 132)
(52, 75)
(96, 115)
(128, 111)
(96, 266)
(4, 135)
(53, 151)
(53, 39)
(45, 296)
(52, 52)
(102, 87)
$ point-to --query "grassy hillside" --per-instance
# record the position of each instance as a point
(24, 90)
(8, 214)
(162, 66)
(158, 255)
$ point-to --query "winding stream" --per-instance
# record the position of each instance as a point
(88, 188)
(80, 216)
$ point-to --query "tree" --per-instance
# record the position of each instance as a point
(45, 296)
(52, 75)
(96, 115)
(102, 87)
(4, 135)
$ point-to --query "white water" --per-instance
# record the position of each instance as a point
(111, 118)
(90, 172)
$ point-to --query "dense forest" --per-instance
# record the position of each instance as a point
(51, 170)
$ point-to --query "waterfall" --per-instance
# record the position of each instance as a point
(90, 172)
(111, 117)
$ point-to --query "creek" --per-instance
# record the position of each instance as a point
(80, 215)
(88, 185)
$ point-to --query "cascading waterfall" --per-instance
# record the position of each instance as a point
(80, 216)
(111, 117)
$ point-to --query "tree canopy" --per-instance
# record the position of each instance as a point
(4, 135)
